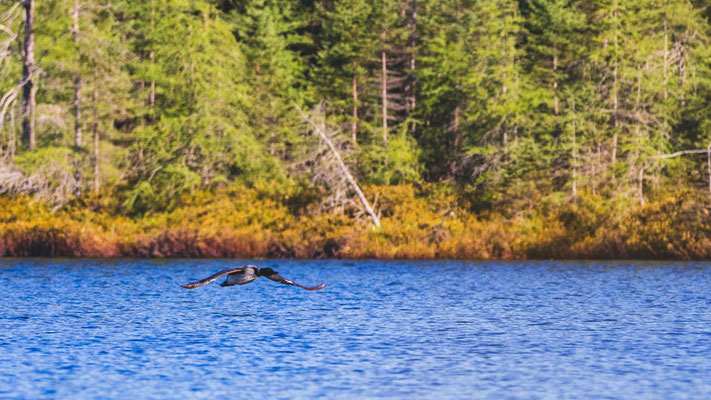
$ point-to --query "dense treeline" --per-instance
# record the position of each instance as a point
(508, 101)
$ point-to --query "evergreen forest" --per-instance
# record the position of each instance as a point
(356, 128)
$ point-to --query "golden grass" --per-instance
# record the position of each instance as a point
(418, 222)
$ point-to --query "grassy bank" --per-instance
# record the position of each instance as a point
(418, 222)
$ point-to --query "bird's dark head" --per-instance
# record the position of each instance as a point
(266, 272)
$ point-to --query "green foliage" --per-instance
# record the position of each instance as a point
(267, 31)
(348, 48)
(197, 132)
(395, 163)
(520, 104)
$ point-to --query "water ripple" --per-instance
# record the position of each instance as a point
(121, 329)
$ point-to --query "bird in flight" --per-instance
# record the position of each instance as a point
(247, 274)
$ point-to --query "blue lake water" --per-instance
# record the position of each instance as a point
(86, 329)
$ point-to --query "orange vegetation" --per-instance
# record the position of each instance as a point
(418, 222)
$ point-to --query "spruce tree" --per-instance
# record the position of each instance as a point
(197, 132)
(266, 31)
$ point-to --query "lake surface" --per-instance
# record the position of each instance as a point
(86, 329)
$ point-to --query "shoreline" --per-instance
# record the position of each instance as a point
(263, 259)
(417, 224)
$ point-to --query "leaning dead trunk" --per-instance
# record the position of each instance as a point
(342, 166)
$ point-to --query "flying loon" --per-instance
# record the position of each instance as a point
(247, 274)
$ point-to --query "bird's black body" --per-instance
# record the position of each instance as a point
(248, 274)
(266, 272)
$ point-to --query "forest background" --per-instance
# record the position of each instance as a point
(475, 129)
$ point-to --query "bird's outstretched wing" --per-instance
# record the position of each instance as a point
(281, 279)
(211, 278)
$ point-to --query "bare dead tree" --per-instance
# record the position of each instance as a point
(9, 98)
(7, 102)
(331, 168)
(51, 183)
(6, 20)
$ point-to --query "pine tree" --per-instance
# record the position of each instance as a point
(344, 76)
(198, 131)
(267, 30)
(448, 85)
(554, 60)
(502, 147)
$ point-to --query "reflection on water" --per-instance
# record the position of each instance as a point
(121, 329)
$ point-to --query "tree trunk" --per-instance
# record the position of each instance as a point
(28, 75)
(599, 163)
(682, 75)
(666, 58)
(555, 79)
(455, 127)
(384, 94)
(75, 18)
(708, 160)
(457, 138)
(575, 153)
(504, 91)
(640, 187)
(12, 145)
(354, 125)
(77, 80)
(77, 111)
(455, 122)
(616, 122)
(636, 104)
(575, 164)
(411, 44)
(504, 88)
(637, 134)
(96, 130)
(152, 96)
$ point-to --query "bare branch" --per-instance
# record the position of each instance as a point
(321, 131)
(682, 152)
